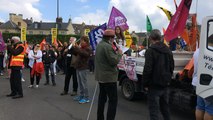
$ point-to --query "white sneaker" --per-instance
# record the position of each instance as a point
(22, 80)
(36, 86)
(30, 86)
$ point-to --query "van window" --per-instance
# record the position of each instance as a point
(210, 36)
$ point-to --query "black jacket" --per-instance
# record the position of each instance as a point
(48, 57)
(151, 70)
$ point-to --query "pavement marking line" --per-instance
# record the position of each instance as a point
(93, 98)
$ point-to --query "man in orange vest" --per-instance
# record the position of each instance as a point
(16, 48)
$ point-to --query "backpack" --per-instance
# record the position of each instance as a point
(162, 70)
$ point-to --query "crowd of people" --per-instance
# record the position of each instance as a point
(76, 57)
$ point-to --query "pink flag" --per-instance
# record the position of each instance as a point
(117, 19)
(178, 21)
(2, 43)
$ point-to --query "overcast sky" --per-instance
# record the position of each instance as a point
(97, 11)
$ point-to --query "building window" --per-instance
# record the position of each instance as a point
(19, 23)
(36, 25)
(41, 32)
(30, 32)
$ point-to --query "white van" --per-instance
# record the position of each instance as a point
(205, 61)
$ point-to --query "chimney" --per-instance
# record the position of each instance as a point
(59, 20)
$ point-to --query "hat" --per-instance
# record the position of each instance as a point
(16, 38)
(109, 32)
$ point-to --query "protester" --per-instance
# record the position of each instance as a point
(2, 53)
(157, 73)
(48, 58)
(35, 64)
(81, 64)
(71, 70)
(64, 55)
(107, 56)
(119, 36)
(16, 48)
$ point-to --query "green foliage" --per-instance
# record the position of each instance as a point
(33, 39)
(134, 41)
(145, 42)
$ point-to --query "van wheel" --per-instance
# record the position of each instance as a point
(128, 89)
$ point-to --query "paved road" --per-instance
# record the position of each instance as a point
(45, 103)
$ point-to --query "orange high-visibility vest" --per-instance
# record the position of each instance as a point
(19, 59)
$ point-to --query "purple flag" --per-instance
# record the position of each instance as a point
(96, 35)
(117, 19)
(2, 43)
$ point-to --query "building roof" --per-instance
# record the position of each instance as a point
(79, 28)
(28, 22)
(47, 26)
(9, 25)
(141, 34)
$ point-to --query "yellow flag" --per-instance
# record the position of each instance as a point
(167, 12)
(54, 34)
(23, 34)
(86, 31)
(128, 38)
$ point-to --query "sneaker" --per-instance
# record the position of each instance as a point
(74, 93)
(1, 74)
(36, 86)
(30, 86)
(22, 80)
(77, 98)
(84, 100)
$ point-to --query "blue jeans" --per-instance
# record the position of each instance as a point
(158, 101)
(48, 67)
(205, 105)
(82, 80)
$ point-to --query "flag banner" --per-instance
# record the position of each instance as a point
(117, 19)
(96, 35)
(178, 21)
(23, 33)
(130, 68)
(43, 42)
(54, 34)
(167, 12)
(55, 43)
(183, 43)
(2, 43)
(193, 33)
(86, 32)
(148, 25)
(185, 36)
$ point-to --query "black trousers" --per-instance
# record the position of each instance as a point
(107, 90)
(38, 77)
(15, 82)
(158, 101)
(71, 72)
